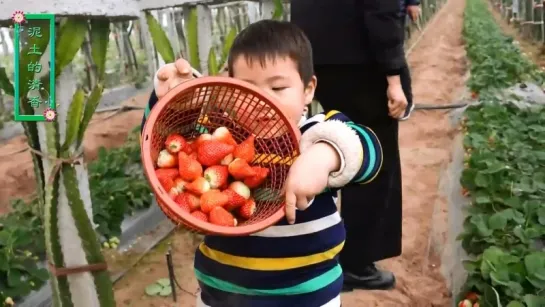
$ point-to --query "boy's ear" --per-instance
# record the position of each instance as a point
(310, 89)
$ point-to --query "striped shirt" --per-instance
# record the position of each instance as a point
(286, 265)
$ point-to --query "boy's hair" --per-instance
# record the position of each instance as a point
(269, 39)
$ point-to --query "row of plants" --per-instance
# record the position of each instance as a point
(118, 188)
(504, 173)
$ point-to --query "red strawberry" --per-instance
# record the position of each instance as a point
(240, 169)
(171, 173)
(222, 217)
(465, 303)
(211, 199)
(166, 160)
(241, 189)
(246, 149)
(235, 200)
(183, 205)
(200, 139)
(193, 155)
(247, 210)
(223, 135)
(472, 296)
(227, 160)
(212, 152)
(192, 201)
(175, 143)
(179, 184)
(166, 183)
(189, 168)
(258, 179)
(217, 175)
(200, 215)
(198, 186)
(188, 148)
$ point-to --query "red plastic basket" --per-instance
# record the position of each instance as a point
(207, 103)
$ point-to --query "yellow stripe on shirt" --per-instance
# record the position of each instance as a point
(269, 264)
(330, 114)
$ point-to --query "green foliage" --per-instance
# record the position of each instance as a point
(164, 47)
(503, 173)
(118, 188)
(160, 39)
(496, 62)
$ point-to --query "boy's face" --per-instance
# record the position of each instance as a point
(280, 78)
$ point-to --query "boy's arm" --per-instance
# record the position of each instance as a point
(358, 147)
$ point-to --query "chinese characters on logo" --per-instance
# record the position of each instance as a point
(34, 53)
(36, 91)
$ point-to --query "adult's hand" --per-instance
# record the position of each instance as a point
(397, 102)
(414, 12)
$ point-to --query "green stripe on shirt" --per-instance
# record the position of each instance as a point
(312, 285)
(372, 151)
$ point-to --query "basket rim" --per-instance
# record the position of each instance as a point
(149, 165)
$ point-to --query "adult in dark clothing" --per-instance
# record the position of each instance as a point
(358, 57)
(409, 9)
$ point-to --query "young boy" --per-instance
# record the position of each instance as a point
(295, 262)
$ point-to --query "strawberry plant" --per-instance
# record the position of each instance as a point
(503, 174)
(496, 62)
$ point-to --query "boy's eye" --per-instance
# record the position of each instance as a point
(279, 88)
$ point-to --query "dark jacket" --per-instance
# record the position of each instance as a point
(405, 3)
(353, 31)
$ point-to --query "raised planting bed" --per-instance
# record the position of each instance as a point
(503, 176)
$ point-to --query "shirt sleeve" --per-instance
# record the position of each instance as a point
(382, 27)
(358, 147)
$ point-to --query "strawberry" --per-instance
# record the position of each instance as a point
(476, 305)
(199, 140)
(261, 174)
(472, 296)
(216, 175)
(188, 148)
(193, 155)
(171, 173)
(247, 210)
(179, 184)
(246, 149)
(166, 160)
(223, 135)
(240, 169)
(227, 160)
(189, 168)
(175, 143)
(192, 201)
(200, 215)
(198, 186)
(183, 205)
(212, 152)
(240, 188)
(465, 303)
(211, 199)
(234, 199)
(222, 217)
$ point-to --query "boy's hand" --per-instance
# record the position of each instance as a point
(308, 176)
(171, 75)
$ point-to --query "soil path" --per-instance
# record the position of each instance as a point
(438, 66)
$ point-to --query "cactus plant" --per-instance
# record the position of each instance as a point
(69, 231)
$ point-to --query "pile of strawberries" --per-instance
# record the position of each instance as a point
(211, 177)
